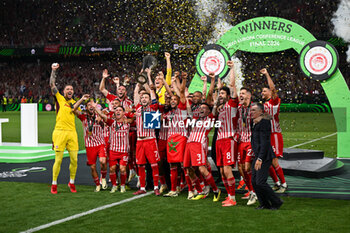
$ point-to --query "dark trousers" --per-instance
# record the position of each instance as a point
(266, 195)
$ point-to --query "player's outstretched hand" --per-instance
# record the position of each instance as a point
(116, 80)
(204, 78)
(85, 97)
(105, 73)
(230, 64)
(263, 71)
(55, 66)
(167, 55)
(212, 75)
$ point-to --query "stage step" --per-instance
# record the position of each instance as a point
(313, 168)
(301, 154)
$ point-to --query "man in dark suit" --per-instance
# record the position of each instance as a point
(261, 145)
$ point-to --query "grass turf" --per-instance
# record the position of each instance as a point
(27, 205)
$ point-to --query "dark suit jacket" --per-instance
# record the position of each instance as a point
(261, 140)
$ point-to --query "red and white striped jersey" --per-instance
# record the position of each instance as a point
(94, 136)
(228, 118)
(196, 108)
(199, 133)
(126, 102)
(142, 132)
(106, 129)
(177, 120)
(272, 107)
(163, 132)
(244, 123)
(119, 136)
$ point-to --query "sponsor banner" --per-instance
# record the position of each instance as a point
(54, 48)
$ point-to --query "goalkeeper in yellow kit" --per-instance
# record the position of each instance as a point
(64, 135)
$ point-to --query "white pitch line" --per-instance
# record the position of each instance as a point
(313, 140)
(84, 213)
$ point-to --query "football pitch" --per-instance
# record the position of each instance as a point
(25, 206)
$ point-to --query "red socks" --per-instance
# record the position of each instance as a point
(189, 183)
(210, 180)
(231, 186)
(155, 173)
(97, 181)
(103, 174)
(173, 178)
(113, 177)
(122, 178)
(273, 174)
(280, 174)
(197, 185)
(142, 174)
(248, 180)
(224, 180)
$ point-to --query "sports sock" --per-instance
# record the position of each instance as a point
(280, 174)
(248, 180)
(210, 180)
(224, 180)
(113, 177)
(142, 173)
(155, 174)
(173, 178)
(231, 186)
(162, 180)
(122, 178)
(189, 183)
(103, 174)
(273, 174)
(97, 181)
(197, 185)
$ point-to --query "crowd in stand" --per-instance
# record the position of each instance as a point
(91, 22)
(94, 22)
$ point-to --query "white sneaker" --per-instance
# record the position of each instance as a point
(163, 187)
(171, 194)
(252, 199)
(282, 189)
(132, 174)
(104, 183)
(98, 188)
(190, 195)
(178, 189)
(122, 189)
(114, 189)
(206, 190)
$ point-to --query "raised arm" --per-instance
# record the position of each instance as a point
(116, 81)
(99, 112)
(204, 90)
(209, 99)
(216, 99)
(150, 83)
(79, 102)
(103, 89)
(270, 83)
(184, 76)
(167, 88)
(233, 88)
(136, 94)
(168, 68)
(174, 85)
(53, 76)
